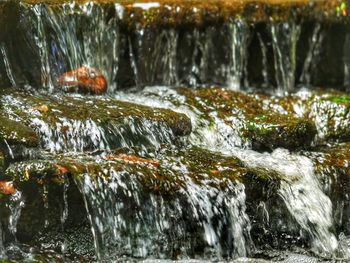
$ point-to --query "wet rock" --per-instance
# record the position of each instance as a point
(329, 110)
(195, 12)
(180, 182)
(15, 133)
(333, 170)
(262, 128)
(79, 123)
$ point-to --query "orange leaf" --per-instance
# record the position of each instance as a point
(41, 108)
(61, 169)
(132, 159)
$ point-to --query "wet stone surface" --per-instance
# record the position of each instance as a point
(80, 124)
(170, 177)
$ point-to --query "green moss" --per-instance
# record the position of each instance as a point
(103, 111)
(266, 129)
(339, 99)
(15, 133)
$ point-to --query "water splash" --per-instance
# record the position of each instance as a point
(64, 44)
(284, 43)
(239, 41)
(302, 195)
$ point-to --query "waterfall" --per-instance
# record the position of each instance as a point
(153, 56)
(347, 63)
(284, 42)
(239, 30)
(70, 36)
(126, 219)
(7, 64)
(264, 70)
(315, 44)
(16, 203)
(302, 195)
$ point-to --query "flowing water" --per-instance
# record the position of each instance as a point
(204, 214)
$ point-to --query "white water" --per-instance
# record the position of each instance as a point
(284, 42)
(239, 40)
(126, 219)
(300, 189)
(63, 44)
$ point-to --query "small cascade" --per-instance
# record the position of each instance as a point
(311, 60)
(2, 246)
(302, 194)
(71, 36)
(198, 54)
(15, 204)
(347, 63)
(154, 56)
(65, 210)
(284, 43)
(216, 133)
(7, 64)
(127, 220)
(239, 44)
(264, 70)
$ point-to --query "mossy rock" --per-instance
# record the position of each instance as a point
(92, 123)
(170, 175)
(328, 109)
(15, 133)
(162, 175)
(264, 129)
(332, 168)
(172, 13)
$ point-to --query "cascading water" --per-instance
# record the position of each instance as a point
(284, 42)
(239, 39)
(7, 64)
(153, 56)
(126, 168)
(64, 45)
(313, 54)
(127, 220)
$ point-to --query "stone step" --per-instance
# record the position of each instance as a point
(148, 194)
(81, 123)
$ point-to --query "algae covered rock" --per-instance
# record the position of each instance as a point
(333, 170)
(95, 123)
(264, 129)
(328, 110)
(206, 183)
(15, 133)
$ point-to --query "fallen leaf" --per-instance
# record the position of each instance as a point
(41, 108)
(132, 159)
(61, 169)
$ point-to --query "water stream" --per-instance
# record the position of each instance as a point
(284, 42)
(122, 156)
